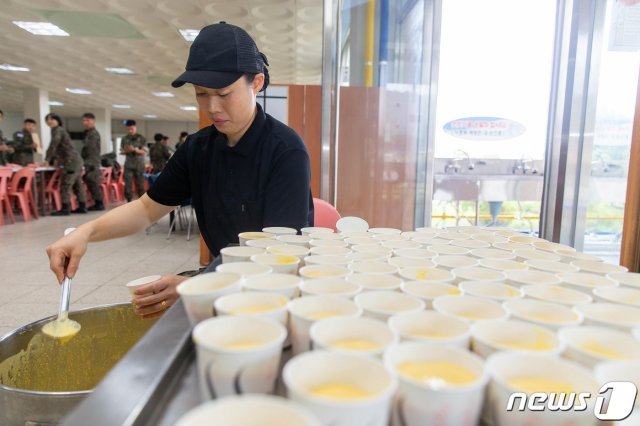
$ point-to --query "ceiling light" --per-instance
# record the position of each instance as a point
(56, 103)
(121, 106)
(164, 94)
(150, 116)
(117, 70)
(42, 28)
(188, 108)
(9, 67)
(77, 91)
(189, 35)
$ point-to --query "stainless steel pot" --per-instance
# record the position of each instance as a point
(42, 379)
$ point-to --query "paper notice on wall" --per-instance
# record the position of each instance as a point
(625, 26)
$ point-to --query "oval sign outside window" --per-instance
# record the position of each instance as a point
(484, 128)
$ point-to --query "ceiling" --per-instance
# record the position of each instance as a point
(143, 35)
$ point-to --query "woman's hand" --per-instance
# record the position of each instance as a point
(151, 300)
(70, 247)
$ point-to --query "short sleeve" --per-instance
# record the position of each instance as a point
(173, 186)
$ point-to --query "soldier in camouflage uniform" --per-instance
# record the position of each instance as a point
(91, 156)
(159, 153)
(23, 143)
(4, 148)
(134, 146)
(62, 153)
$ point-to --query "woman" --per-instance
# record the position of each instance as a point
(244, 172)
(61, 153)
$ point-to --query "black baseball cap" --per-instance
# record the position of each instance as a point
(129, 123)
(220, 55)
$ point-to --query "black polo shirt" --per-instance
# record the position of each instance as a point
(264, 180)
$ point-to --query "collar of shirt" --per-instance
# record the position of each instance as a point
(247, 143)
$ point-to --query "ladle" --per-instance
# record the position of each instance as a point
(63, 328)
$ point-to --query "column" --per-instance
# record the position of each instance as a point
(36, 106)
(103, 126)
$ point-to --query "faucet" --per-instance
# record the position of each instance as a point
(523, 166)
(453, 164)
(470, 165)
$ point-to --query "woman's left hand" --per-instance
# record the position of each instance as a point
(153, 299)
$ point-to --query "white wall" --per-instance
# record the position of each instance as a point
(12, 123)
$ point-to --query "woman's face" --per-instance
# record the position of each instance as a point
(232, 108)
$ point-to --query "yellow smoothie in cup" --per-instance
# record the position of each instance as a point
(355, 344)
(322, 314)
(339, 391)
(542, 342)
(540, 384)
(243, 344)
(595, 347)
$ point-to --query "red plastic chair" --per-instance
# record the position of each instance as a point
(105, 183)
(117, 187)
(324, 214)
(52, 191)
(21, 184)
(5, 175)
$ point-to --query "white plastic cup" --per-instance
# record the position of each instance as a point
(258, 304)
(239, 253)
(323, 271)
(477, 273)
(385, 231)
(628, 279)
(489, 337)
(409, 262)
(280, 230)
(383, 304)
(491, 290)
(589, 345)
(471, 244)
(289, 250)
(368, 256)
(311, 375)
(551, 266)
(531, 277)
(491, 253)
(415, 253)
(237, 355)
(298, 240)
(533, 254)
(550, 246)
(389, 237)
(243, 237)
(428, 291)
(546, 314)
(316, 230)
(280, 263)
(338, 287)
(427, 275)
(263, 243)
(470, 308)
(328, 243)
(324, 251)
(200, 292)
(621, 371)
(362, 241)
(245, 269)
(448, 249)
(327, 259)
(325, 236)
(305, 311)
(453, 261)
(583, 281)
(511, 371)
(249, 410)
(375, 282)
(622, 295)
(569, 255)
(525, 239)
(610, 315)
(431, 327)
(373, 268)
(556, 294)
(424, 397)
(510, 246)
(357, 336)
(286, 284)
(502, 265)
(596, 267)
(401, 244)
(372, 248)
(134, 284)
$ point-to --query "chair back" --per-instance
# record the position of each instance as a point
(54, 181)
(105, 175)
(324, 214)
(5, 175)
(22, 180)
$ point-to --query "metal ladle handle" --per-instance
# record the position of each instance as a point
(65, 298)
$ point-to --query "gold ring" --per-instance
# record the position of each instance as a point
(164, 304)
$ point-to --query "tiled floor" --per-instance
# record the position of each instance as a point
(29, 290)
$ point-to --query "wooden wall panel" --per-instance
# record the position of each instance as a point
(630, 251)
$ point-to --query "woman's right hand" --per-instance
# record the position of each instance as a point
(65, 254)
